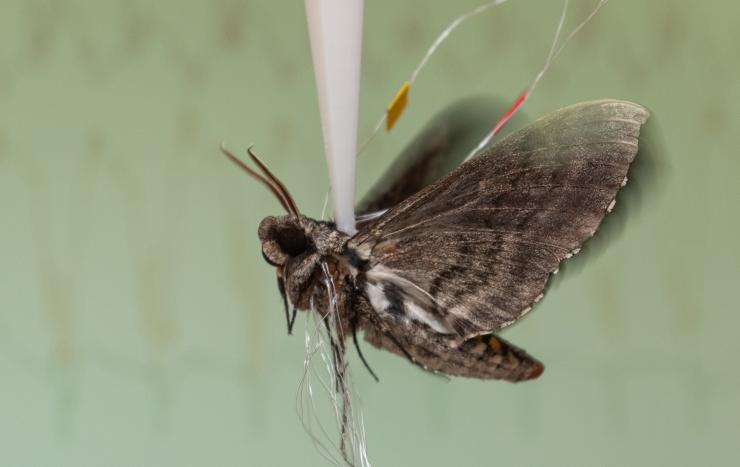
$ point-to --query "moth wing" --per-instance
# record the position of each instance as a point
(438, 149)
(472, 252)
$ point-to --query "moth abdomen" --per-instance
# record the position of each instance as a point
(498, 359)
(483, 357)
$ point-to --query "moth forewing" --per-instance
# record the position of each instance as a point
(475, 249)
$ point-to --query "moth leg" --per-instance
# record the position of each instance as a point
(361, 355)
(288, 318)
(354, 322)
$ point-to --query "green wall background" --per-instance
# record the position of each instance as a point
(140, 326)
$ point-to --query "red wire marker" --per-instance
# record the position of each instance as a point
(519, 100)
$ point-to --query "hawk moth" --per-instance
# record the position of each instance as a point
(447, 260)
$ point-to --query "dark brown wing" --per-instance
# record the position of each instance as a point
(472, 253)
(438, 149)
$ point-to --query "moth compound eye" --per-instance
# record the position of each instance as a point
(292, 241)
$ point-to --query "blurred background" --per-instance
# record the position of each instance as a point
(140, 326)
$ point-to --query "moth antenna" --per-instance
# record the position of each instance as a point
(291, 202)
(257, 177)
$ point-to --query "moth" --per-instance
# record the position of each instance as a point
(445, 260)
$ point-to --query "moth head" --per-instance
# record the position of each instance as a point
(283, 239)
(293, 243)
(290, 244)
(289, 238)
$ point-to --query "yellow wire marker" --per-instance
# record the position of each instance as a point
(396, 106)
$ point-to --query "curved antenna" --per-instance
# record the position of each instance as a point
(275, 191)
(275, 180)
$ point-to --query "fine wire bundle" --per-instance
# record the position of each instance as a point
(552, 55)
(324, 336)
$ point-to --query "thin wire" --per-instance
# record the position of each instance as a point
(331, 375)
(552, 55)
(314, 344)
(441, 38)
(430, 51)
(326, 204)
(414, 74)
(348, 421)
